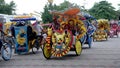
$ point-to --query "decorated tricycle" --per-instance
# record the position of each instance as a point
(25, 36)
(113, 30)
(8, 33)
(5, 47)
(87, 39)
(102, 30)
(66, 36)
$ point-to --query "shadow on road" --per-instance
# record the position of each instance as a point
(29, 53)
(85, 48)
(66, 57)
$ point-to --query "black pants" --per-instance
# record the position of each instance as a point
(39, 38)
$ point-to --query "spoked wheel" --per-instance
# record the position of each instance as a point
(117, 34)
(34, 50)
(106, 37)
(35, 47)
(78, 48)
(39, 41)
(93, 40)
(93, 36)
(47, 51)
(6, 52)
(90, 42)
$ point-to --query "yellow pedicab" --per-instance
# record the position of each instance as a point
(60, 41)
(102, 30)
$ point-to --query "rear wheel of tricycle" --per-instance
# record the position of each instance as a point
(78, 48)
(6, 52)
(117, 34)
(93, 37)
(47, 51)
(90, 43)
(34, 46)
(106, 37)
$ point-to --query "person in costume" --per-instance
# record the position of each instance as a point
(76, 26)
(90, 30)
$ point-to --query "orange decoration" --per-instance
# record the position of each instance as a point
(72, 11)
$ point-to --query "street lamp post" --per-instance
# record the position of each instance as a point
(50, 4)
(50, 1)
(50, 9)
(84, 4)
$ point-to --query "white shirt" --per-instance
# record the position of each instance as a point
(38, 29)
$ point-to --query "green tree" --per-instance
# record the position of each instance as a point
(103, 9)
(118, 11)
(65, 5)
(46, 16)
(6, 8)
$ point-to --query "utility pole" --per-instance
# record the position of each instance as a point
(84, 4)
(50, 4)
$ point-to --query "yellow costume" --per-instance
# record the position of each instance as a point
(81, 28)
(79, 25)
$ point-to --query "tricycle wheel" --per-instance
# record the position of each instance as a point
(78, 48)
(47, 51)
(90, 43)
(35, 46)
(93, 36)
(93, 40)
(117, 34)
(6, 52)
(106, 37)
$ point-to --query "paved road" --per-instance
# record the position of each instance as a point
(104, 54)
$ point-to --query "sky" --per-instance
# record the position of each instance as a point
(30, 6)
